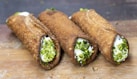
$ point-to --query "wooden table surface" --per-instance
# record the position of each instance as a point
(16, 61)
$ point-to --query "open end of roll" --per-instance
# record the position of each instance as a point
(47, 50)
(120, 49)
(82, 51)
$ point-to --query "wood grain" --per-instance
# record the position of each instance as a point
(16, 61)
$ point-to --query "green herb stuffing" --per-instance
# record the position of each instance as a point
(47, 51)
(52, 9)
(16, 13)
(120, 50)
(83, 9)
(83, 50)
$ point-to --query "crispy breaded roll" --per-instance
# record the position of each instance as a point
(37, 38)
(74, 42)
(112, 45)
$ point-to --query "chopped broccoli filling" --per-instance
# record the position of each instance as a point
(83, 9)
(83, 50)
(120, 49)
(47, 50)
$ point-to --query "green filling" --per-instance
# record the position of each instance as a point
(52, 8)
(82, 50)
(120, 49)
(83, 9)
(16, 13)
(47, 51)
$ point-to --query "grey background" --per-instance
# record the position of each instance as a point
(110, 9)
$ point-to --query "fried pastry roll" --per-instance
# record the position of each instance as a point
(73, 41)
(36, 37)
(112, 45)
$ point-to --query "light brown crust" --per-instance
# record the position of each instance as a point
(30, 31)
(98, 28)
(65, 31)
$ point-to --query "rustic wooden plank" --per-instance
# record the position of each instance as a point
(16, 61)
(126, 27)
(20, 64)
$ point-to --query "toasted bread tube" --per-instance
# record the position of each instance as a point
(112, 45)
(73, 41)
(37, 38)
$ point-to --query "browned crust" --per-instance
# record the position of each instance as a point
(98, 28)
(65, 31)
(30, 31)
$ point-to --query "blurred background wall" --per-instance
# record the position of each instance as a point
(110, 9)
